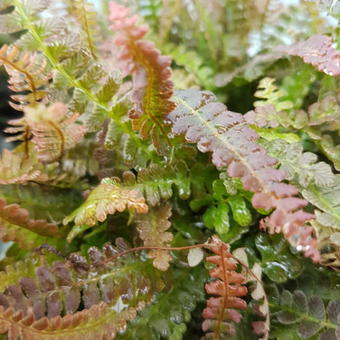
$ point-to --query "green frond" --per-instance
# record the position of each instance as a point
(323, 124)
(302, 168)
(83, 11)
(151, 11)
(126, 151)
(320, 187)
(171, 311)
(193, 63)
(107, 198)
(227, 212)
(327, 200)
(271, 95)
(157, 182)
(306, 316)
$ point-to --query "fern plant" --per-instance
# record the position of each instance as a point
(172, 171)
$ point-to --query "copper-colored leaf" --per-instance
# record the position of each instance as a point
(17, 226)
(152, 228)
(107, 198)
(27, 74)
(228, 287)
(54, 131)
(15, 168)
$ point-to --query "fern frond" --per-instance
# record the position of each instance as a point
(152, 228)
(54, 132)
(273, 110)
(15, 168)
(329, 243)
(193, 63)
(268, 91)
(106, 199)
(37, 6)
(319, 123)
(325, 113)
(11, 21)
(14, 214)
(106, 88)
(83, 11)
(66, 299)
(308, 315)
(168, 314)
(233, 145)
(151, 75)
(317, 51)
(228, 287)
(26, 74)
(328, 201)
(156, 182)
(318, 185)
(258, 293)
(151, 11)
(51, 205)
(17, 226)
(67, 72)
(322, 124)
(278, 262)
(12, 273)
(302, 168)
(122, 146)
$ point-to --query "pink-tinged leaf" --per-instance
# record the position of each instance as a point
(54, 130)
(233, 145)
(317, 51)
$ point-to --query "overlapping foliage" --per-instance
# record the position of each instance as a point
(215, 174)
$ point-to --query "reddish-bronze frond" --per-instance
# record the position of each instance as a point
(228, 288)
(54, 130)
(151, 75)
(27, 76)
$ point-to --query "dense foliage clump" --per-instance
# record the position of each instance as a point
(173, 170)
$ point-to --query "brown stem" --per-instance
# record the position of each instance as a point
(132, 250)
